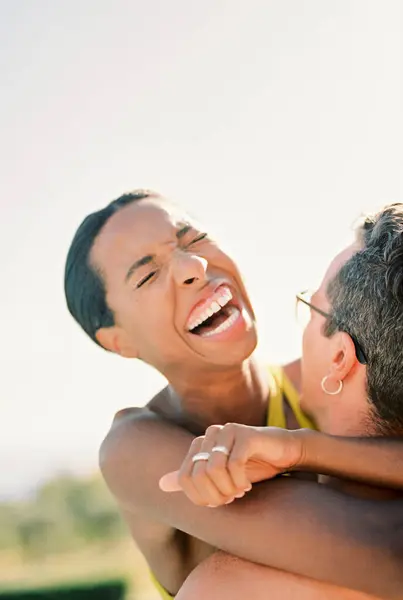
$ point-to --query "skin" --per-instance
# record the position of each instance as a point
(151, 318)
(213, 382)
(226, 576)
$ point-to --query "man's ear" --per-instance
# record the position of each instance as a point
(344, 358)
(115, 340)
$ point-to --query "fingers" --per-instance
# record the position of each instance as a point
(237, 461)
(185, 473)
(210, 493)
(193, 478)
(218, 465)
(218, 475)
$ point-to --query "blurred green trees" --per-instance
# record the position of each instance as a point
(64, 514)
(68, 538)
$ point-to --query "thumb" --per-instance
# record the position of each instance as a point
(170, 482)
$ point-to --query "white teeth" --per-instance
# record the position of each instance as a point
(215, 307)
(224, 299)
(216, 304)
(234, 314)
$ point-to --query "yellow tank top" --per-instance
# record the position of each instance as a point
(280, 387)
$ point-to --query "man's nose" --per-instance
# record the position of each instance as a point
(188, 269)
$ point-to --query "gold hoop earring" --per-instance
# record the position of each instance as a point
(322, 385)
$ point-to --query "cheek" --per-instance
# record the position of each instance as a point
(141, 316)
(307, 345)
(151, 317)
(154, 322)
(227, 264)
(219, 258)
(306, 361)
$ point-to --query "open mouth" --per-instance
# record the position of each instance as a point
(218, 322)
(218, 316)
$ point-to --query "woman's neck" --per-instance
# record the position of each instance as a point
(237, 394)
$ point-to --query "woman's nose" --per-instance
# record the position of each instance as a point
(188, 268)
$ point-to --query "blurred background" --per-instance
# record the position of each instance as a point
(275, 122)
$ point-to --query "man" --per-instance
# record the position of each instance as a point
(143, 281)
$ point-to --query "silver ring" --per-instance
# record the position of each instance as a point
(201, 456)
(221, 449)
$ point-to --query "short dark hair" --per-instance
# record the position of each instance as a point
(367, 297)
(84, 286)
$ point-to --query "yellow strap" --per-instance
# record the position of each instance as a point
(276, 416)
(162, 591)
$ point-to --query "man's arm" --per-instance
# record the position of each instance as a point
(377, 461)
(296, 526)
(260, 453)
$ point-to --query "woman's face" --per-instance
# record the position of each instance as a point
(178, 299)
(319, 352)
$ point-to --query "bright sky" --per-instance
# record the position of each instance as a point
(277, 122)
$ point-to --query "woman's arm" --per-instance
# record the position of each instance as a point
(296, 526)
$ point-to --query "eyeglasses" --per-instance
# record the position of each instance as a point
(303, 308)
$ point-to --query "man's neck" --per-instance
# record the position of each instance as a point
(238, 394)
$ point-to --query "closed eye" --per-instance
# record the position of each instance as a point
(145, 279)
(198, 238)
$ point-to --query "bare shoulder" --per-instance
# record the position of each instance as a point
(155, 405)
(122, 427)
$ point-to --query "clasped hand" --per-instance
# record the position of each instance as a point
(224, 463)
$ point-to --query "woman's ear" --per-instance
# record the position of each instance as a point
(115, 340)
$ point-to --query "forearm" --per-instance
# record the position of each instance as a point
(278, 524)
(377, 461)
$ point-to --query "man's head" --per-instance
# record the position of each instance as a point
(144, 281)
(353, 358)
